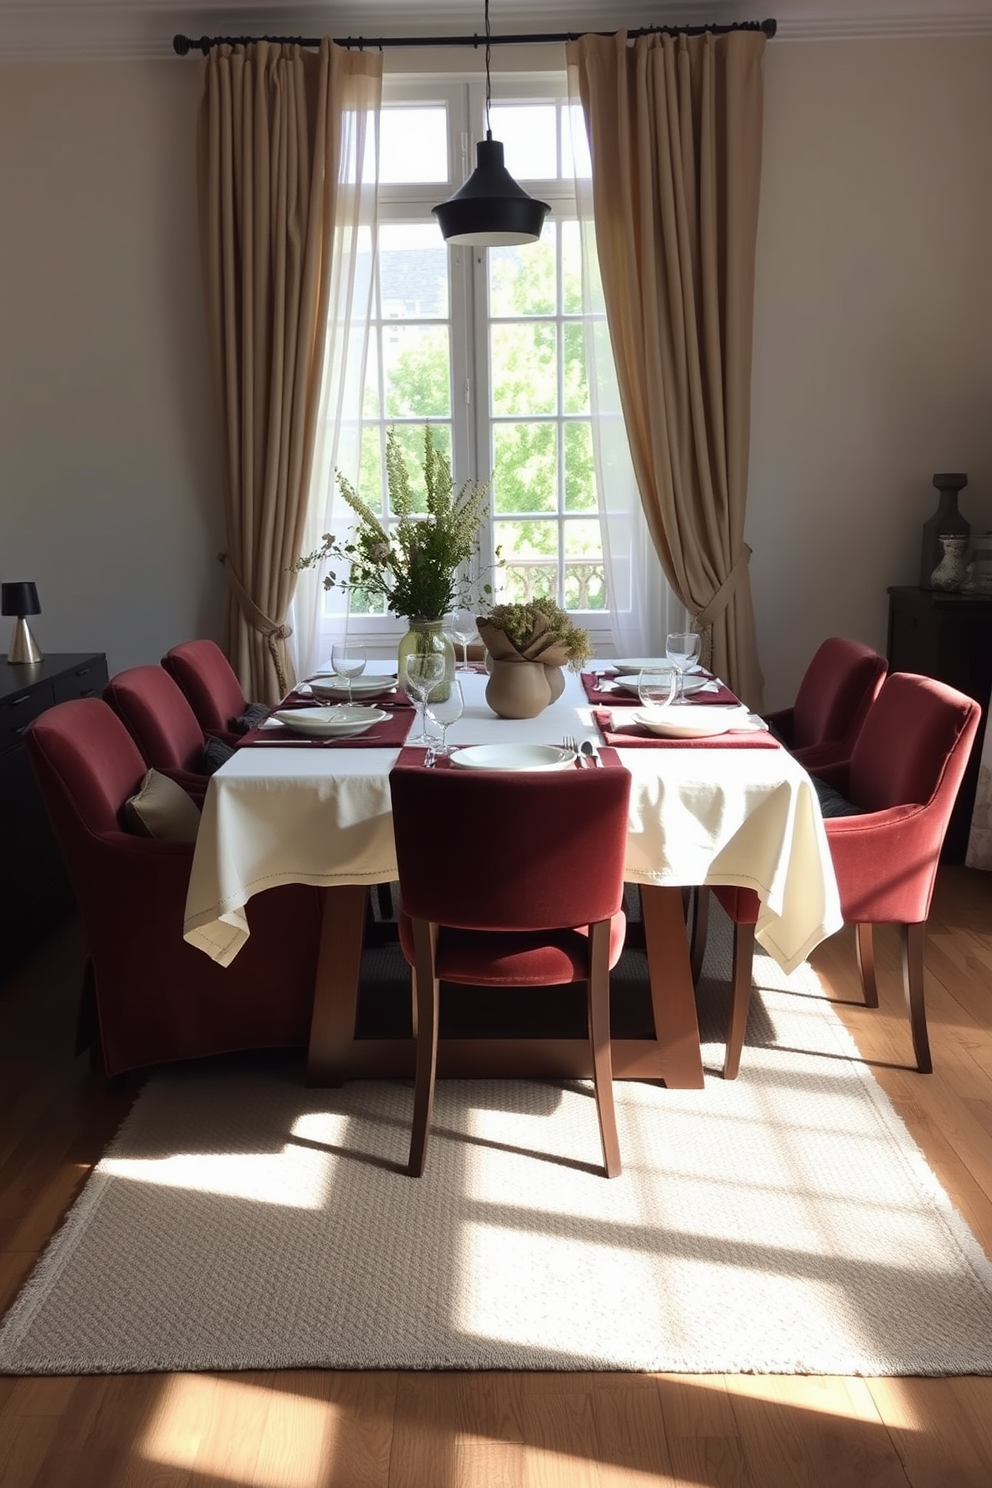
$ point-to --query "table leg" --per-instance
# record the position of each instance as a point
(673, 996)
(339, 965)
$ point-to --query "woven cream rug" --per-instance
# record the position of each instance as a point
(784, 1222)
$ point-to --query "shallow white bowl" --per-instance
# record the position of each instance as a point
(364, 687)
(690, 684)
(513, 757)
(328, 723)
(693, 723)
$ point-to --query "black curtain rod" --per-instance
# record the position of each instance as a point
(182, 45)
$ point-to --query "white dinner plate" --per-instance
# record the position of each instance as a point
(694, 723)
(629, 684)
(638, 663)
(329, 723)
(513, 757)
(372, 685)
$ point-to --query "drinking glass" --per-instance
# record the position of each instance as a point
(348, 661)
(463, 630)
(656, 687)
(682, 651)
(444, 711)
(425, 669)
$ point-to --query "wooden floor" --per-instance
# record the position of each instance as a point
(316, 1429)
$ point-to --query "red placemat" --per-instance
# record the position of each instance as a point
(413, 759)
(620, 698)
(388, 733)
(636, 736)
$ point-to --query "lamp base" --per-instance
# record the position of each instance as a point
(23, 646)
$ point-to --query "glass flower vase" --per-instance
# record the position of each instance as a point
(421, 636)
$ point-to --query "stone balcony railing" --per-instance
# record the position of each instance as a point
(524, 579)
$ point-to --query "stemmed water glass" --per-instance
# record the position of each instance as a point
(348, 661)
(682, 651)
(424, 672)
(463, 630)
(444, 711)
(656, 687)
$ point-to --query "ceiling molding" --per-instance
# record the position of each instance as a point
(77, 30)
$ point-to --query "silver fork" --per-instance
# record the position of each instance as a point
(570, 743)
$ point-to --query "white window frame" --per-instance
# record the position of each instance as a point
(472, 452)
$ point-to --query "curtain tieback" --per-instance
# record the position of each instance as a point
(719, 602)
(273, 632)
(725, 593)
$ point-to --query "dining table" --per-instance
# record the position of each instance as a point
(732, 809)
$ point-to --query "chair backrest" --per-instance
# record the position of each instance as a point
(493, 850)
(86, 765)
(208, 682)
(839, 686)
(158, 717)
(156, 997)
(914, 746)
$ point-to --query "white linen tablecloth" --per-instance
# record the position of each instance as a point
(697, 816)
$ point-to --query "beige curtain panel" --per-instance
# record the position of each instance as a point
(674, 125)
(272, 176)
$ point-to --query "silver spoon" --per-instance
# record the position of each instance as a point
(588, 748)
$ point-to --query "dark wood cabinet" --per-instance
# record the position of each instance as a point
(947, 636)
(34, 889)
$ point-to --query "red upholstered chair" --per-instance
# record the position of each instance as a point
(533, 897)
(839, 686)
(162, 724)
(154, 997)
(210, 685)
(903, 777)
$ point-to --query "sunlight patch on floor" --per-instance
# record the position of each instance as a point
(293, 1449)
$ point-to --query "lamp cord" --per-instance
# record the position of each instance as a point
(489, 57)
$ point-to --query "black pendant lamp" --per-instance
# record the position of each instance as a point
(490, 210)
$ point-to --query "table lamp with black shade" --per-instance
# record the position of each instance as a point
(21, 599)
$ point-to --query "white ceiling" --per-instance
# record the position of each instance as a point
(62, 29)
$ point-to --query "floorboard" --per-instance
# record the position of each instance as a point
(322, 1429)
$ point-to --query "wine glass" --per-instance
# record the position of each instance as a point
(682, 651)
(463, 630)
(425, 670)
(444, 711)
(348, 661)
(656, 687)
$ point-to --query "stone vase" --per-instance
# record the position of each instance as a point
(518, 689)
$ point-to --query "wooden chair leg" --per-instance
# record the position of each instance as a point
(598, 991)
(426, 993)
(740, 998)
(865, 943)
(912, 938)
(700, 928)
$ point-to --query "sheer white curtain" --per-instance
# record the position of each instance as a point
(316, 615)
(643, 607)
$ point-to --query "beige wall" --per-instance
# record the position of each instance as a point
(872, 356)
(873, 328)
(108, 476)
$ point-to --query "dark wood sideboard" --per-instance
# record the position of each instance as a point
(34, 889)
(947, 636)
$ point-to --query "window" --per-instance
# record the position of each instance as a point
(487, 345)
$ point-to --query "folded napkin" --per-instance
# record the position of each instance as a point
(388, 733)
(636, 736)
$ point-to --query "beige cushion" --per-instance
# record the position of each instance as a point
(162, 809)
